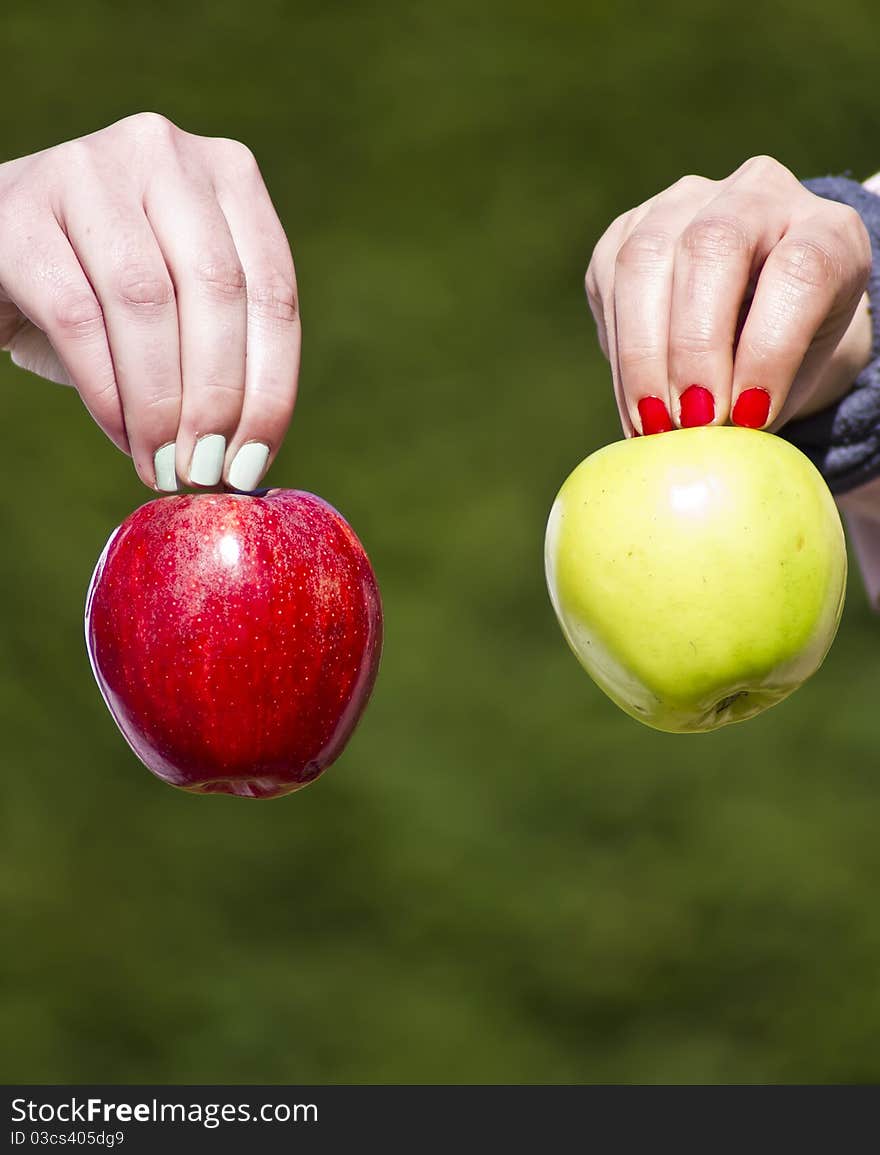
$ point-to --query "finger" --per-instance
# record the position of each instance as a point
(273, 321)
(716, 257)
(210, 285)
(809, 287)
(642, 293)
(642, 301)
(599, 283)
(643, 298)
(121, 257)
(48, 284)
(599, 278)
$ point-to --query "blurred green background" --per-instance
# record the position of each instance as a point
(504, 878)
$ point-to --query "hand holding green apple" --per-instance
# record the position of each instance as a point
(698, 576)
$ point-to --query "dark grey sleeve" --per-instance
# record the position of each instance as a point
(843, 441)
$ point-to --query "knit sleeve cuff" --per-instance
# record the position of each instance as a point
(843, 441)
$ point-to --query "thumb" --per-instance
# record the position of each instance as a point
(30, 349)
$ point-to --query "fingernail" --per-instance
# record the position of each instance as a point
(697, 407)
(207, 460)
(751, 408)
(655, 416)
(248, 466)
(163, 467)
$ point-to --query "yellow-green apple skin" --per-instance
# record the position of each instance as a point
(698, 575)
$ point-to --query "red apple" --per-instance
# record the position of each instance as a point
(235, 638)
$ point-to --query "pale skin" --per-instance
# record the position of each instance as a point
(147, 268)
(747, 285)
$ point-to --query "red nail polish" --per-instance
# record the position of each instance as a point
(654, 415)
(751, 409)
(697, 407)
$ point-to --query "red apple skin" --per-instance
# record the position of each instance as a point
(235, 638)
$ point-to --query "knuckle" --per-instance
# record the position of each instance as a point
(236, 155)
(808, 262)
(223, 278)
(610, 240)
(107, 393)
(850, 227)
(604, 254)
(764, 168)
(619, 224)
(143, 289)
(842, 220)
(74, 162)
(160, 399)
(714, 238)
(274, 298)
(78, 154)
(760, 350)
(633, 357)
(151, 126)
(644, 248)
(76, 312)
(691, 183)
(692, 343)
(221, 389)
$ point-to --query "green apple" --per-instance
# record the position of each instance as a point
(698, 575)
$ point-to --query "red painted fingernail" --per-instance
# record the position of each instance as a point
(654, 415)
(697, 407)
(751, 409)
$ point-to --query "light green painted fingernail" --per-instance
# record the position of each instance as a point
(207, 460)
(163, 465)
(248, 466)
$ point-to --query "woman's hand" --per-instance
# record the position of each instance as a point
(147, 268)
(739, 299)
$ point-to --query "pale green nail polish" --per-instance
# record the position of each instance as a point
(207, 460)
(163, 465)
(248, 466)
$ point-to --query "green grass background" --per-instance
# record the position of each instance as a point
(504, 878)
